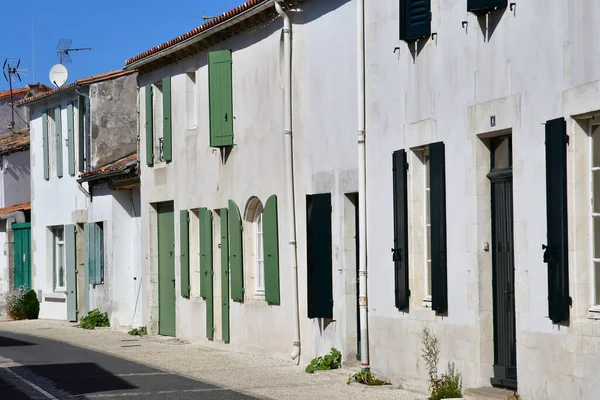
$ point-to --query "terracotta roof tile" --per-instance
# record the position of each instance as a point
(79, 82)
(14, 142)
(115, 166)
(17, 92)
(213, 22)
(15, 207)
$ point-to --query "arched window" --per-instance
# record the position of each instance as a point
(254, 240)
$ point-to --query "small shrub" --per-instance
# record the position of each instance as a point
(94, 319)
(449, 384)
(333, 360)
(366, 377)
(141, 331)
(20, 303)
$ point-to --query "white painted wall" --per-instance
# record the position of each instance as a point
(324, 157)
(527, 71)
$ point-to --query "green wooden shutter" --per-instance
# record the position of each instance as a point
(71, 276)
(81, 134)
(224, 276)
(220, 94)
(184, 244)
(149, 127)
(86, 269)
(556, 253)
(167, 128)
(400, 250)
(480, 7)
(59, 144)
(271, 250)
(90, 234)
(236, 257)
(415, 19)
(71, 138)
(205, 250)
(437, 193)
(99, 250)
(319, 258)
(45, 145)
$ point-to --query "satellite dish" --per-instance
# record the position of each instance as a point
(58, 75)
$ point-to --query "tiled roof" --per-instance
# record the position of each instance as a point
(15, 207)
(79, 82)
(213, 22)
(115, 166)
(14, 142)
(17, 92)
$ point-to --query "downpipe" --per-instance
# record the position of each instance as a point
(289, 174)
(362, 189)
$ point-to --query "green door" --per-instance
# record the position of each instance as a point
(225, 275)
(166, 269)
(206, 269)
(22, 254)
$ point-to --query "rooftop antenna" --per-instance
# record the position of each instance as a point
(206, 17)
(11, 70)
(63, 49)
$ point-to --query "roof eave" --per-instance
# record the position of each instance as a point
(201, 36)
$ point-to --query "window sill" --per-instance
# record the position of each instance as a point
(594, 312)
(159, 165)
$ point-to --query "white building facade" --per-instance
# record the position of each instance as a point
(481, 139)
(85, 252)
(223, 260)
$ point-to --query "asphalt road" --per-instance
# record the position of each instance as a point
(36, 368)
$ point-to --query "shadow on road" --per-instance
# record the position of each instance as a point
(8, 342)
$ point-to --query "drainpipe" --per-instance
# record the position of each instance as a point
(362, 189)
(289, 172)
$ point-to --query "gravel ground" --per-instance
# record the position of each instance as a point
(252, 374)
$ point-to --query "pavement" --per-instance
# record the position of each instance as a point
(42, 359)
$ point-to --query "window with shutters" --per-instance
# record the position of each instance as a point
(594, 163)
(195, 253)
(254, 246)
(421, 218)
(190, 99)
(59, 259)
(52, 160)
(415, 19)
(157, 121)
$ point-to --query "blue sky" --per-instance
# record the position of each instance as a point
(116, 30)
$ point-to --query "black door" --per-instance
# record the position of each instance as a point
(503, 274)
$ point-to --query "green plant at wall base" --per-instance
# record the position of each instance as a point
(449, 384)
(366, 377)
(94, 319)
(514, 396)
(141, 331)
(333, 360)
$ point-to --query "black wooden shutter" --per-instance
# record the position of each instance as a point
(415, 19)
(437, 192)
(556, 251)
(400, 250)
(483, 6)
(318, 239)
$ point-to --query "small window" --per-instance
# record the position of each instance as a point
(595, 209)
(96, 253)
(254, 246)
(60, 278)
(427, 225)
(157, 123)
(52, 142)
(190, 99)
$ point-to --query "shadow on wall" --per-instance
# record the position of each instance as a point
(489, 22)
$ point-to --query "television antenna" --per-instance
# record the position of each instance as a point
(63, 49)
(11, 70)
(206, 17)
